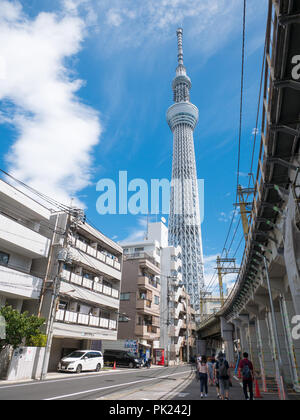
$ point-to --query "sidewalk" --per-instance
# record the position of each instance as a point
(192, 392)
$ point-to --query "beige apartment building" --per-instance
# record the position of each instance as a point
(140, 297)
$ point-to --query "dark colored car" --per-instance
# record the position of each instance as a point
(122, 358)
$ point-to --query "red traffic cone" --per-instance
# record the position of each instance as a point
(257, 391)
(114, 365)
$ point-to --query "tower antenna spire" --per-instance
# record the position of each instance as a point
(179, 43)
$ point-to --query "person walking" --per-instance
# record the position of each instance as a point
(210, 365)
(203, 375)
(222, 373)
(246, 368)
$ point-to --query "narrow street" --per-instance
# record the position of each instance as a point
(157, 384)
(96, 386)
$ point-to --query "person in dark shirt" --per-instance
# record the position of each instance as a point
(222, 375)
(246, 368)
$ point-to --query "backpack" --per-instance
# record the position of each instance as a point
(246, 372)
(222, 369)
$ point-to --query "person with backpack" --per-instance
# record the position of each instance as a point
(246, 368)
(222, 373)
(203, 375)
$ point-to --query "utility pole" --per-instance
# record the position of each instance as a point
(230, 269)
(169, 317)
(242, 204)
(187, 329)
(62, 256)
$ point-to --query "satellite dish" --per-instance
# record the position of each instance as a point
(163, 220)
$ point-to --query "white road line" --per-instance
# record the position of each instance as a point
(51, 381)
(114, 386)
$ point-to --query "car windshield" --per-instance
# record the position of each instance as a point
(75, 355)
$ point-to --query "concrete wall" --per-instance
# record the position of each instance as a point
(26, 363)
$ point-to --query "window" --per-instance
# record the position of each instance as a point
(62, 304)
(125, 296)
(156, 300)
(123, 318)
(4, 258)
(138, 249)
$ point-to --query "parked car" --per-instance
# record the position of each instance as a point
(122, 358)
(82, 360)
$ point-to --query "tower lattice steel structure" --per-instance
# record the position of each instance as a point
(184, 220)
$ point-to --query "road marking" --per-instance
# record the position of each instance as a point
(51, 381)
(115, 386)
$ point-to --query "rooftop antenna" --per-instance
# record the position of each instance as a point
(179, 33)
(147, 231)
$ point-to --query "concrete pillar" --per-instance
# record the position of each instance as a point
(292, 346)
(227, 336)
(17, 304)
(2, 301)
(284, 351)
(265, 346)
(254, 354)
(244, 338)
(260, 350)
(201, 346)
(292, 251)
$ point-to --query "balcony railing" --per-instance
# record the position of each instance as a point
(89, 284)
(83, 319)
(144, 255)
(77, 243)
(146, 305)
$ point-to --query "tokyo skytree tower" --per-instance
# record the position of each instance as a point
(184, 219)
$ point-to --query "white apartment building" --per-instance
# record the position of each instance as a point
(177, 321)
(31, 237)
(89, 293)
(24, 248)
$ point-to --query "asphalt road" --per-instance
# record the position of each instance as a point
(90, 387)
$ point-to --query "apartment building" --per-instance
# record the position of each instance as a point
(140, 297)
(89, 292)
(24, 248)
(177, 317)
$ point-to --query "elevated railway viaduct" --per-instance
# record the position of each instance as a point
(262, 314)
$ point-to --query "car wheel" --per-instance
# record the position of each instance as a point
(131, 365)
(79, 369)
(98, 367)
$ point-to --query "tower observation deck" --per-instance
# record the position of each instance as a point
(184, 220)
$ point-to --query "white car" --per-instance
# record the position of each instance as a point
(82, 360)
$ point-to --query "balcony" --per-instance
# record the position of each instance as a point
(101, 263)
(96, 254)
(19, 283)
(89, 284)
(175, 264)
(147, 332)
(147, 282)
(147, 307)
(149, 262)
(22, 240)
(83, 319)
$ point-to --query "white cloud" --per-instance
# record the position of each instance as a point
(138, 233)
(210, 23)
(226, 217)
(56, 132)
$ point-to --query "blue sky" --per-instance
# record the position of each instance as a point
(84, 89)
